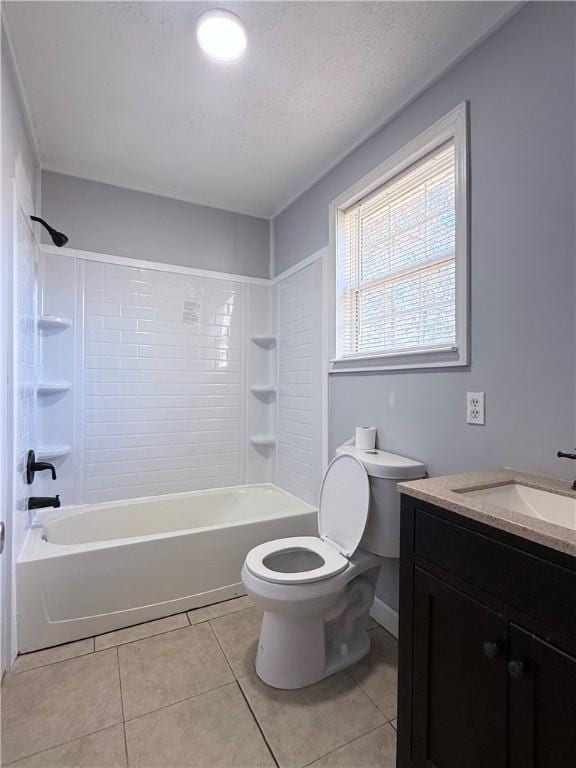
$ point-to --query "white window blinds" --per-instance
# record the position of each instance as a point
(396, 263)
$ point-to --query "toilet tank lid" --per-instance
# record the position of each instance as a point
(386, 465)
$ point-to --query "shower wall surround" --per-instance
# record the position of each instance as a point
(163, 382)
(300, 376)
(162, 365)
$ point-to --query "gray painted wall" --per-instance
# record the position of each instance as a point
(17, 147)
(125, 222)
(520, 84)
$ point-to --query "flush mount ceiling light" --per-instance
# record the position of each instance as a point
(221, 35)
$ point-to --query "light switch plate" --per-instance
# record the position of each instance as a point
(475, 408)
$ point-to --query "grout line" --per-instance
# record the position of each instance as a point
(94, 652)
(215, 618)
(125, 742)
(139, 639)
(178, 701)
(370, 699)
(167, 631)
(219, 644)
(13, 672)
(237, 682)
(61, 744)
(122, 704)
(276, 763)
(346, 744)
(120, 682)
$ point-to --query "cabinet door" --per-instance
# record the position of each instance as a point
(542, 704)
(460, 680)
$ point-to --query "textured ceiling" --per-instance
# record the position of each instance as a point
(119, 92)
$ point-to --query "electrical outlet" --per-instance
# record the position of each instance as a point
(475, 408)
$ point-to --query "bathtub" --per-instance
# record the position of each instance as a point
(95, 568)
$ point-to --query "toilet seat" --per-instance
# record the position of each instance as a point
(334, 562)
(342, 517)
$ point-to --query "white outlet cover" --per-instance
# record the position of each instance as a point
(475, 408)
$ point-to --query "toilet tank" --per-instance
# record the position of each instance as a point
(385, 470)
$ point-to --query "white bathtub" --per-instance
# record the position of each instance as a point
(91, 569)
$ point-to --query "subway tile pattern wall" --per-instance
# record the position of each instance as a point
(164, 392)
(299, 463)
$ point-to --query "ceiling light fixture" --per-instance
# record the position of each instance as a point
(221, 35)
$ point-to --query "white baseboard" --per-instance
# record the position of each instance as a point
(385, 616)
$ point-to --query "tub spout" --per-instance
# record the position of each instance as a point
(39, 502)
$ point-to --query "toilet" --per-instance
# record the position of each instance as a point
(316, 592)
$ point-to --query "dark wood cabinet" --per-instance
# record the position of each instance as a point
(459, 691)
(487, 674)
(542, 704)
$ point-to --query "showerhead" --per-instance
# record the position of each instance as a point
(58, 238)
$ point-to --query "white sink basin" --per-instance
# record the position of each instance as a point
(543, 505)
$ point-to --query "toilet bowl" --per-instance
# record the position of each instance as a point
(316, 592)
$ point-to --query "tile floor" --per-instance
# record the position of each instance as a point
(182, 691)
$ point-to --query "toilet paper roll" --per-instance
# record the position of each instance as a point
(366, 438)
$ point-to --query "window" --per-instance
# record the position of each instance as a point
(401, 258)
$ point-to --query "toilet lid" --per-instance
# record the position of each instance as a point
(344, 503)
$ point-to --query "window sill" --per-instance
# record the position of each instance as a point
(437, 357)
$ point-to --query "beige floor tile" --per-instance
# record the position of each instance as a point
(45, 707)
(140, 631)
(219, 609)
(238, 635)
(304, 725)
(52, 655)
(105, 749)
(212, 730)
(167, 668)
(376, 749)
(377, 673)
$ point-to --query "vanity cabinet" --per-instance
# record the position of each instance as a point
(487, 673)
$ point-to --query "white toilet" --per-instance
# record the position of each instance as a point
(316, 592)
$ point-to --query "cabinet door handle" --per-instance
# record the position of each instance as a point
(491, 649)
(516, 669)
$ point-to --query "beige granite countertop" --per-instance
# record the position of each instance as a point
(448, 492)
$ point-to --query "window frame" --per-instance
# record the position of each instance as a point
(453, 126)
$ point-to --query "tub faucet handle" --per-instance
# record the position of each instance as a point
(33, 466)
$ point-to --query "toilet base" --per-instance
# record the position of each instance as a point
(294, 652)
(291, 652)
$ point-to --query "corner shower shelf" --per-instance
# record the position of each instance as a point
(265, 341)
(52, 452)
(53, 322)
(263, 440)
(261, 389)
(50, 387)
